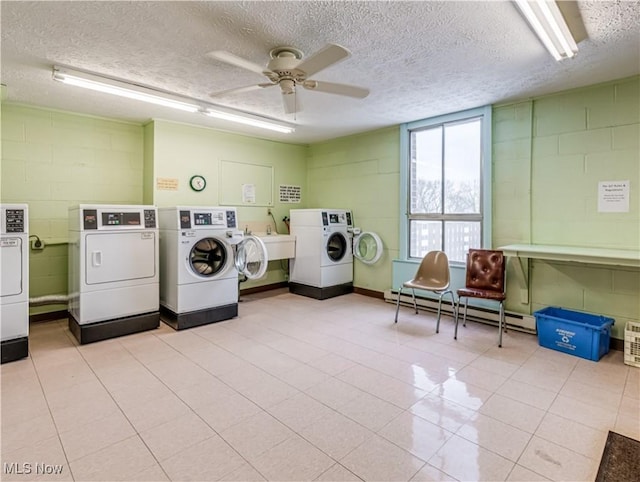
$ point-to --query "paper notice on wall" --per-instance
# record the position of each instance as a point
(249, 193)
(290, 194)
(166, 184)
(613, 197)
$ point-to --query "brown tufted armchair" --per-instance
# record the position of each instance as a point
(484, 279)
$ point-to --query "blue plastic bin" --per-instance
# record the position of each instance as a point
(573, 332)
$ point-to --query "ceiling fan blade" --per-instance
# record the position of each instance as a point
(238, 90)
(232, 59)
(325, 57)
(338, 89)
(291, 103)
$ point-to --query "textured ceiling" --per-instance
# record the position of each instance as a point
(419, 59)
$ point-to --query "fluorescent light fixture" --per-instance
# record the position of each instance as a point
(147, 94)
(122, 89)
(547, 21)
(250, 120)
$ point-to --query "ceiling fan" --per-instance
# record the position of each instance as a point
(288, 69)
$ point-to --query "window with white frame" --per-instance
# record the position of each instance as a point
(445, 192)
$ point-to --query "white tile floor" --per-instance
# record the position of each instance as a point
(301, 389)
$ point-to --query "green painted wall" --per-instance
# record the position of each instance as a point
(52, 160)
(180, 151)
(148, 167)
(549, 153)
(361, 173)
(557, 149)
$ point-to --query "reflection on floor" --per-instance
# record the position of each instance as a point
(301, 389)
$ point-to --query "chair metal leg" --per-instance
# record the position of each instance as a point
(415, 305)
(457, 314)
(501, 323)
(439, 309)
(453, 308)
(464, 318)
(398, 304)
(453, 304)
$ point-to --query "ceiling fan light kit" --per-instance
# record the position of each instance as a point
(547, 21)
(145, 94)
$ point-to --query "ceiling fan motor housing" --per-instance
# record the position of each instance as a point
(284, 62)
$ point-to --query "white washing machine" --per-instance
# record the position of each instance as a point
(113, 271)
(201, 255)
(14, 285)
(326, 243)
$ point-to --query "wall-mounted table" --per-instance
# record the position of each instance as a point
(576, 254)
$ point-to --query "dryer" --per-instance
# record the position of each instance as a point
(326, 244)
(202, 254)
(14, 284)
(113, 271)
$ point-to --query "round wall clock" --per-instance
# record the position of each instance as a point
(197, 183)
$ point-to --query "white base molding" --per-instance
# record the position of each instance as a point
(514, 321)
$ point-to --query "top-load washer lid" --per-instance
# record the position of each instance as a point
(208, 257)
(252, 257)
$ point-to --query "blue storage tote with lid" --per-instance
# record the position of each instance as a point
(574, 332)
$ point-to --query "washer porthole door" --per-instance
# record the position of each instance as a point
(336, 247)
(208, 257)
(251, 257)
(367, 247)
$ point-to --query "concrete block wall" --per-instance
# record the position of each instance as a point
(53, 160)
(549, 156)
(361, 173)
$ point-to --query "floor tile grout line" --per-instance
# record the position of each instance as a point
(338, 463)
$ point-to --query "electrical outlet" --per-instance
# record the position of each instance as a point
(37, 244)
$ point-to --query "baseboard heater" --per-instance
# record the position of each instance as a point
(514, 321)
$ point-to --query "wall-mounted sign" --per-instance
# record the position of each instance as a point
(166, 184)
(613, 197)
(290, 194)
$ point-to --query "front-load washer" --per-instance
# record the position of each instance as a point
(326, 244)
(114, 283)
(202, 254)
(14, 284)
